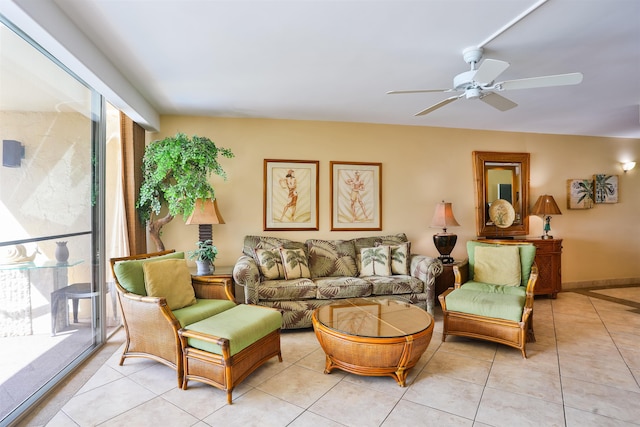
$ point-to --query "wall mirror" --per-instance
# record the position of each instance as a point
(504, 177)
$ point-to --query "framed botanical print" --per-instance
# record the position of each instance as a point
(356, 196)
(605, 188)
(290, 195)
(579, 194)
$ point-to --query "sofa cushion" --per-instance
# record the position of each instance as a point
(170, 279)
(395, 285)
(331, 258)
(286, 290)
(375, 261)
(501, 306)
(242, 326)
(130, 275)
(367, 242)
(202, 309)
(295, 263)
(342, 287)
(270, 263)
(251, 243)
(497, 265)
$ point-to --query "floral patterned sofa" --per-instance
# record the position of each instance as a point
(297, 277)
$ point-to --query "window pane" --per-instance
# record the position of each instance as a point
(49, 288)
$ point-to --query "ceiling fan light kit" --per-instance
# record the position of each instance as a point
(479, 83)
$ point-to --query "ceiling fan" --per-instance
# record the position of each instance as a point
(479, 83)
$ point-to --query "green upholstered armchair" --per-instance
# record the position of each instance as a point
(150, 322)
(496, 302)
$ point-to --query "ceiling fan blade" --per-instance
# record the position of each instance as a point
(544, 81)
(498, 101)
(489, 70)
(395, 92)
(439, 104)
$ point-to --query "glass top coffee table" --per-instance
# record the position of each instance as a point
(373, 336)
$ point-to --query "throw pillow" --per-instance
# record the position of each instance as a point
(270, 263)
(497, 265)
(130, 274)
(169, 279)
(400, 258)
(375, 261)
(295, 263)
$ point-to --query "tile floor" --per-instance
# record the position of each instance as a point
(583, 370)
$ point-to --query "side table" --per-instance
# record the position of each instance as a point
(446, 279)
(216, 285)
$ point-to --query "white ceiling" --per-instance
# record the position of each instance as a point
(335, 60)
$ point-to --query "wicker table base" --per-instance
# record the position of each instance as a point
(373, 337)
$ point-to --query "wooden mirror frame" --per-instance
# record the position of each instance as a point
(484, 227)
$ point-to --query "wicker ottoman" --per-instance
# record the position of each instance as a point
(224, 349)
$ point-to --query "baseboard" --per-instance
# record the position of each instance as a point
(604, 283)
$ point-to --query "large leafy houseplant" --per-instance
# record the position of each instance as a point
(176, 172)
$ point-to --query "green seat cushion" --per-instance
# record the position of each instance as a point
(527, 256)
(497, 305)
(202, 309)
(496, 289)
(242, 326)
(131, 276)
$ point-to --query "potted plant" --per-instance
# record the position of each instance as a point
(204, 256)
(176, 172)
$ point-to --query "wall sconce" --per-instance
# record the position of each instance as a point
(12, 153)
(444, 242)
(627, 166)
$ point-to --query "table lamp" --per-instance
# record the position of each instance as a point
(545, 207)
(444, 242)
(204, 214)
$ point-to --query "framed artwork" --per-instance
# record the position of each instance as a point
(290, 195)
(579, 194)
(356, 196)
(361, 319)
(605, 188)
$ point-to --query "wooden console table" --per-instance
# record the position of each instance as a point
(548, 259)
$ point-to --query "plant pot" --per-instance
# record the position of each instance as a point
(204, 268)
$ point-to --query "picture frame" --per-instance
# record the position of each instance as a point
(360, 319)
(356, 196)
(290, 196)
(605, 188)
(579, 194)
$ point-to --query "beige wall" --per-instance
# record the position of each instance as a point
(420, 167)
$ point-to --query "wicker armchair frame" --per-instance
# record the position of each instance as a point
(151, 328)
(507, 332)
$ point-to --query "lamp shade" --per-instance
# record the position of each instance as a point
(443, 216)
(546, 205)
(205, 212)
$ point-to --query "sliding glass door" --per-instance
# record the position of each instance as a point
(52, 282)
